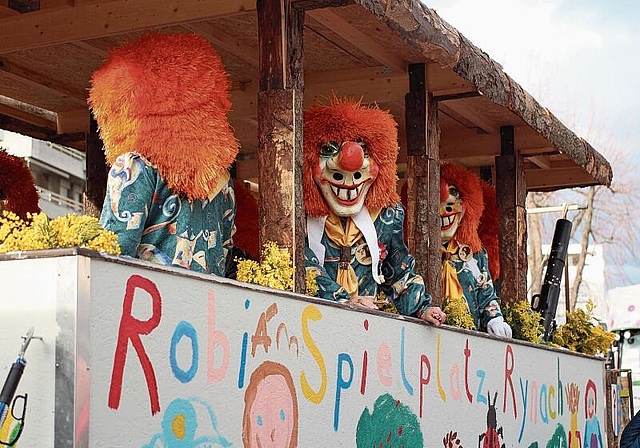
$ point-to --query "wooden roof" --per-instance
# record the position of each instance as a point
(358, 48)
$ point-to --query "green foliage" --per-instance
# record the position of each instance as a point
(386, 305)
(525, 323)
(275, 270)
(580, 334)
(458, 314)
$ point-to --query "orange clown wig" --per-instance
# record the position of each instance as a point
(17, 187)
(348, 120)
(470, 188)
(166, 97)
(488, 229)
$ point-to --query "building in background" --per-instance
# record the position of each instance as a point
(59, 172)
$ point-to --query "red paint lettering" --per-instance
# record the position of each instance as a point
(425, 364)
(509, 364)
(467, 355)
(130, 330)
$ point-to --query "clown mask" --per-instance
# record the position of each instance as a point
(344, 175)
(451, 211)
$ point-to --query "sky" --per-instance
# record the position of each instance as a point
(578, 58)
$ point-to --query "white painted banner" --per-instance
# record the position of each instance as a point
(182, 360)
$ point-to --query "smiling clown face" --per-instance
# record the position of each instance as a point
(344, 175)
(451, 211)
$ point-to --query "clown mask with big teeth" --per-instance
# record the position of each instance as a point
(451, 211)
(344, 175)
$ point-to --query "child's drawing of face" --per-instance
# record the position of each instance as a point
(271, 409)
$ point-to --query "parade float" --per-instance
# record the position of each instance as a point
(127, 353)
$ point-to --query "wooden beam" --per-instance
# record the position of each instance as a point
(280, 30)
(541, 162)
(13, 124)
(73, 121)
(307, 5)
(226, 42)
(361, 84)
(97, 20)
(27, 117)
(465, 109)
(556, 178)
(41, 81)
(370, 84)
(511, 192)
(462, 143)
(423, 178)
(49, 5)
(351, 34)
(102, 52)
(5, 11)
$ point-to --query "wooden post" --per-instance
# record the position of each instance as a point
(423, 180)
(96, 171)
(511, 191)
(280, 28)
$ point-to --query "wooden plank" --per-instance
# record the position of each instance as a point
(423, 179)
(281, 209)
(489, 78)
(465, 109)
(27, 117)
(431, 204)
(511, 192)
(225, 41)
(462, 143)
(35, 79)
(356, 37)
(416, 111)
(41, 131)
(541, 162)
(5, 11)
(73, 121)
(92, 48)
(360, 84)
(49, 5)
(306, 5)
(96, 168)
(96, 20)
(549, 180)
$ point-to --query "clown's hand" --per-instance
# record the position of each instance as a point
(499, 327)
(363, 301)
(434, 315)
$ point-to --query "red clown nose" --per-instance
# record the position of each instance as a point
(444, 191)
(351, 156)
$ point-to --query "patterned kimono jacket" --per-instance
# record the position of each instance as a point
(474, 279)
(372, 251)
(154, 224)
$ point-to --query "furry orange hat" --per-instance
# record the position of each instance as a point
(17, 186)
(348, 120)
(488, 229)
(166, 96)
(470, 188)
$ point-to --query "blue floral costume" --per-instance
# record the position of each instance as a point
(477, 287)
(154, 224)
(399, 283)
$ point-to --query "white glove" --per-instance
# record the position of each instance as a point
(499, 327)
